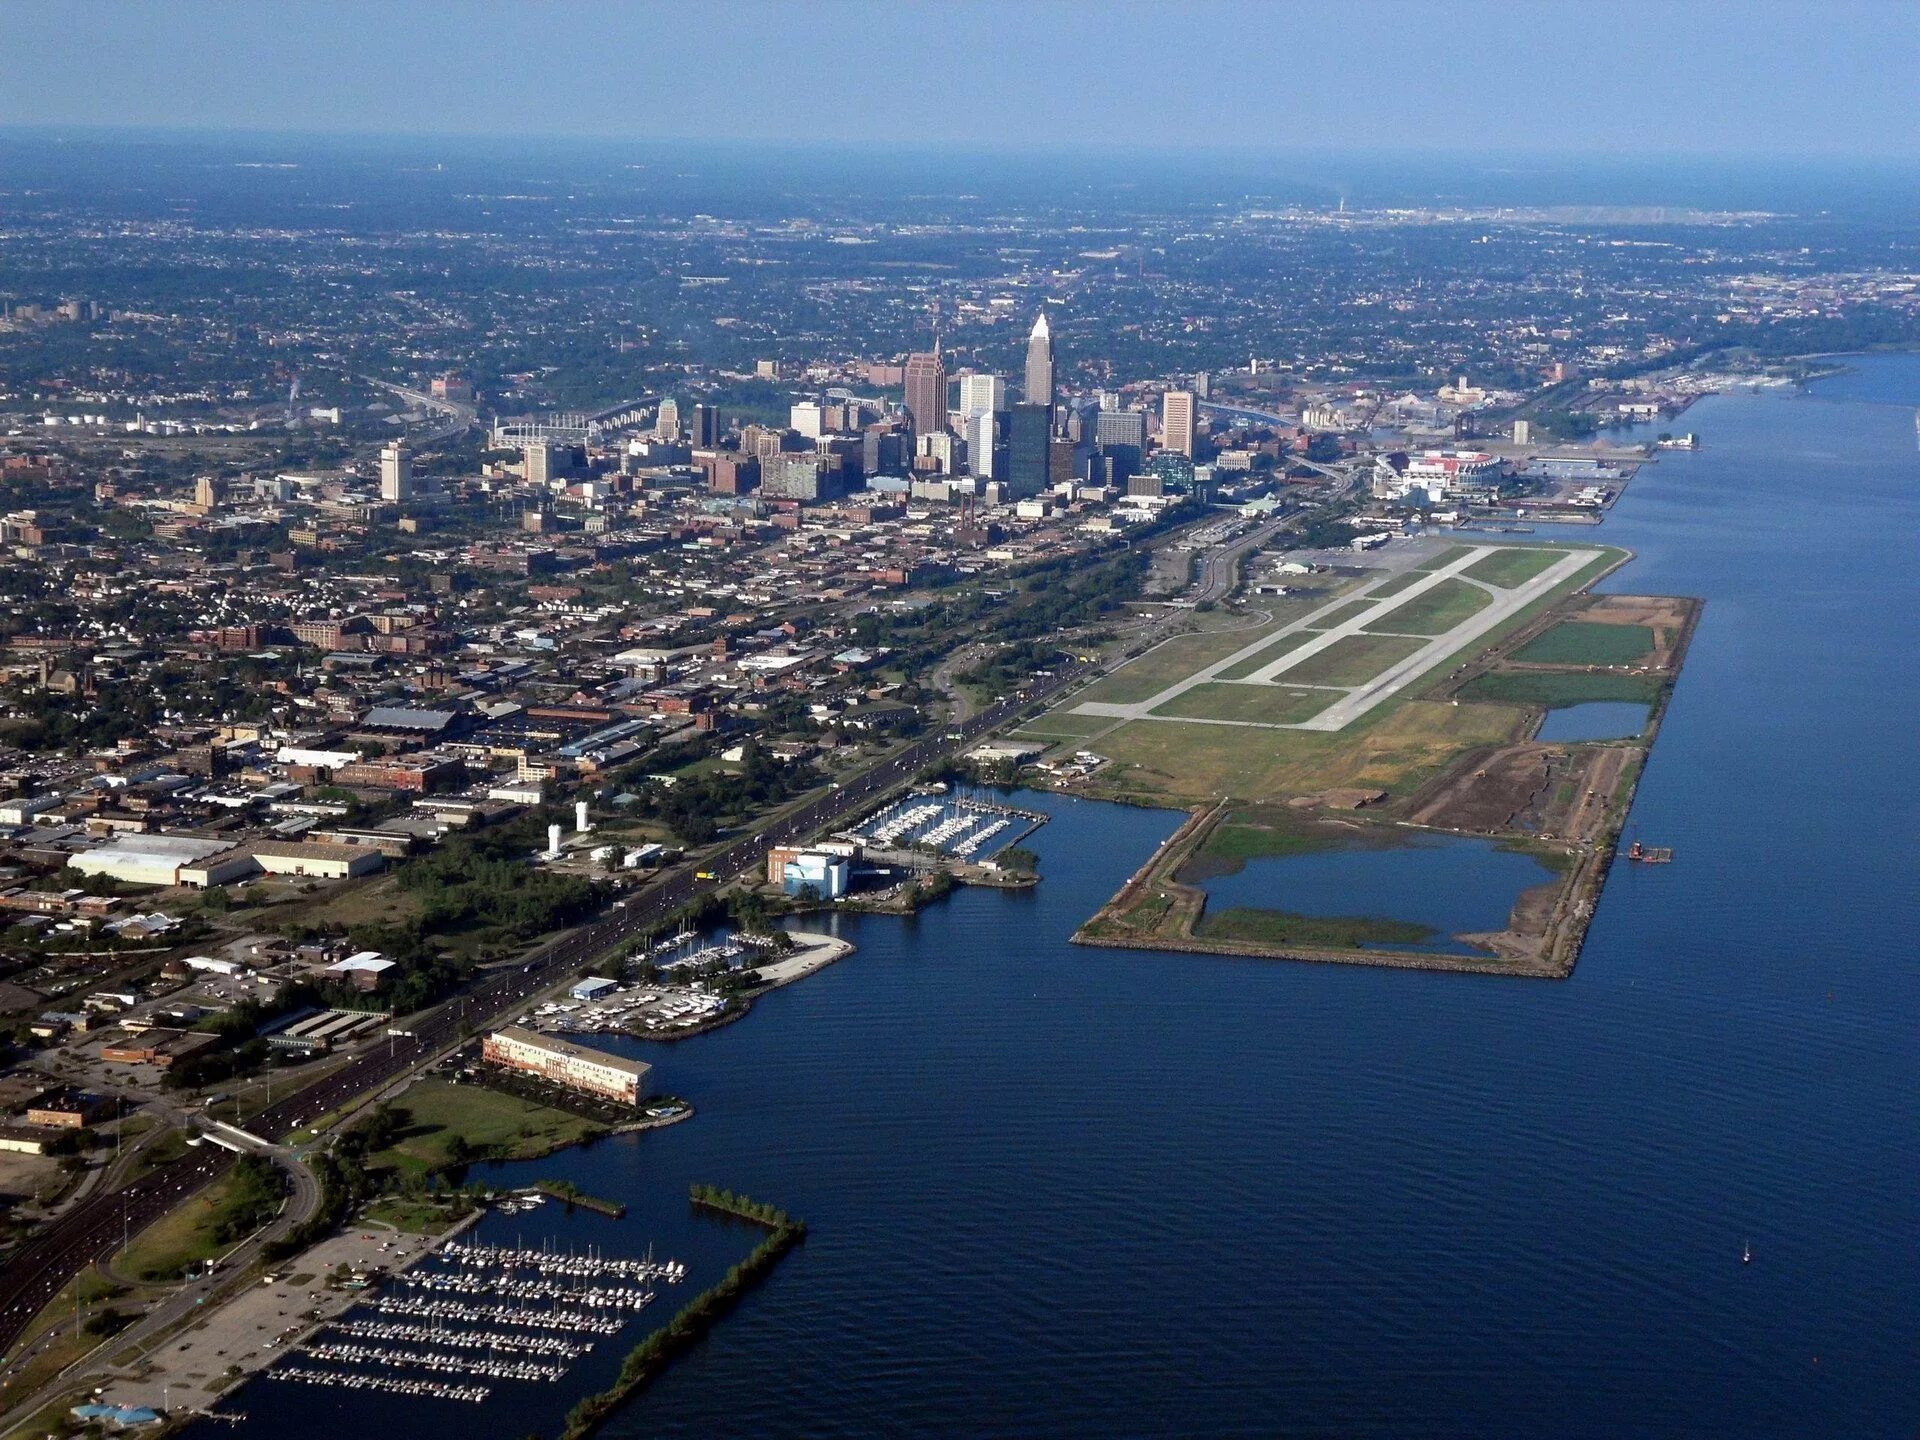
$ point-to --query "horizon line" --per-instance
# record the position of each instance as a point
(57, 130)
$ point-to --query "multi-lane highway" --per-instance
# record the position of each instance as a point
(94, 1229)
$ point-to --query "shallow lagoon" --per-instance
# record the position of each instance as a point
(1453, 884)
(1595, 720)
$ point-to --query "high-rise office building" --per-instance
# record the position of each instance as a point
(1121, 437)
(666, 425)
(703, 427)
(1203, 385)
(809, 417)
(1039, 377)
(986, 443)
(396, 473)
(1060, 461)
(1174, 470)
(882, 450)
(1176, 422)
(927, 392)
(981, 395)
(940, 452)
(540, 462)
(731, 473)
(1120, 427)
(1029, 449)
(759, 441)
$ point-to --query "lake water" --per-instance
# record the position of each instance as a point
(1059, 1191)
(1595, 720)
(1454, 884)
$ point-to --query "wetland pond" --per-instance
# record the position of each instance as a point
(1416, 894)
(1595, 720)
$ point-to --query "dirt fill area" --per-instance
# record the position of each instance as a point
(1532, 788)
(1667, 616)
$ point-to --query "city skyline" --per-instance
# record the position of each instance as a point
(1106, 657)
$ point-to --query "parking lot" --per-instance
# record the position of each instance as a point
(244, 1335)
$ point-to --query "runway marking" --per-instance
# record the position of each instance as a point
(1356, 699)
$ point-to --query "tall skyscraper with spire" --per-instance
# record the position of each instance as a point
(1039, 388)
(927, 392)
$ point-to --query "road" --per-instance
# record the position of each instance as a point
(463, 418)
(302, 1202)
(96, 1228)
(942, 678)
(1220, 569)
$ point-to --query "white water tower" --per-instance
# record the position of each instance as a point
(580, 817)
(553, 842)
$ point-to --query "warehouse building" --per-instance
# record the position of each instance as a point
(158, 859)
(317, 858)
(577, 1067)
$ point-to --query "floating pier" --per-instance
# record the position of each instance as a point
(543, 1309)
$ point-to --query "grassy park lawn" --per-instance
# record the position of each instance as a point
(1352, 660)
(1586, 642)
(203, 1227)
(417, 1215)
(1513, 566)
(1395, 748)
(450, 1124)
(1545, 688)
(1258, 704)
(1434, 612)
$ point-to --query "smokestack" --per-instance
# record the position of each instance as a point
(553, 842)
(580, 817)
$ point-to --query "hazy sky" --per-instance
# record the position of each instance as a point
(1832, 77)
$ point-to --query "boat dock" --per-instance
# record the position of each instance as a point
(957, 827)
(474, 1316)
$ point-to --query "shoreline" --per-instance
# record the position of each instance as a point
(821, 951)
(1531, 945)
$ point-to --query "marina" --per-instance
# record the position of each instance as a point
(439, 1362)
(387, 1384)
(684, 999)
(437, 1334)
(525, 1317)
(549, 1262)
(421, 1322)
(961, 826)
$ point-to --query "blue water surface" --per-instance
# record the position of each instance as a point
(1595, 720)
(1060, 1191)
(1452, 884)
